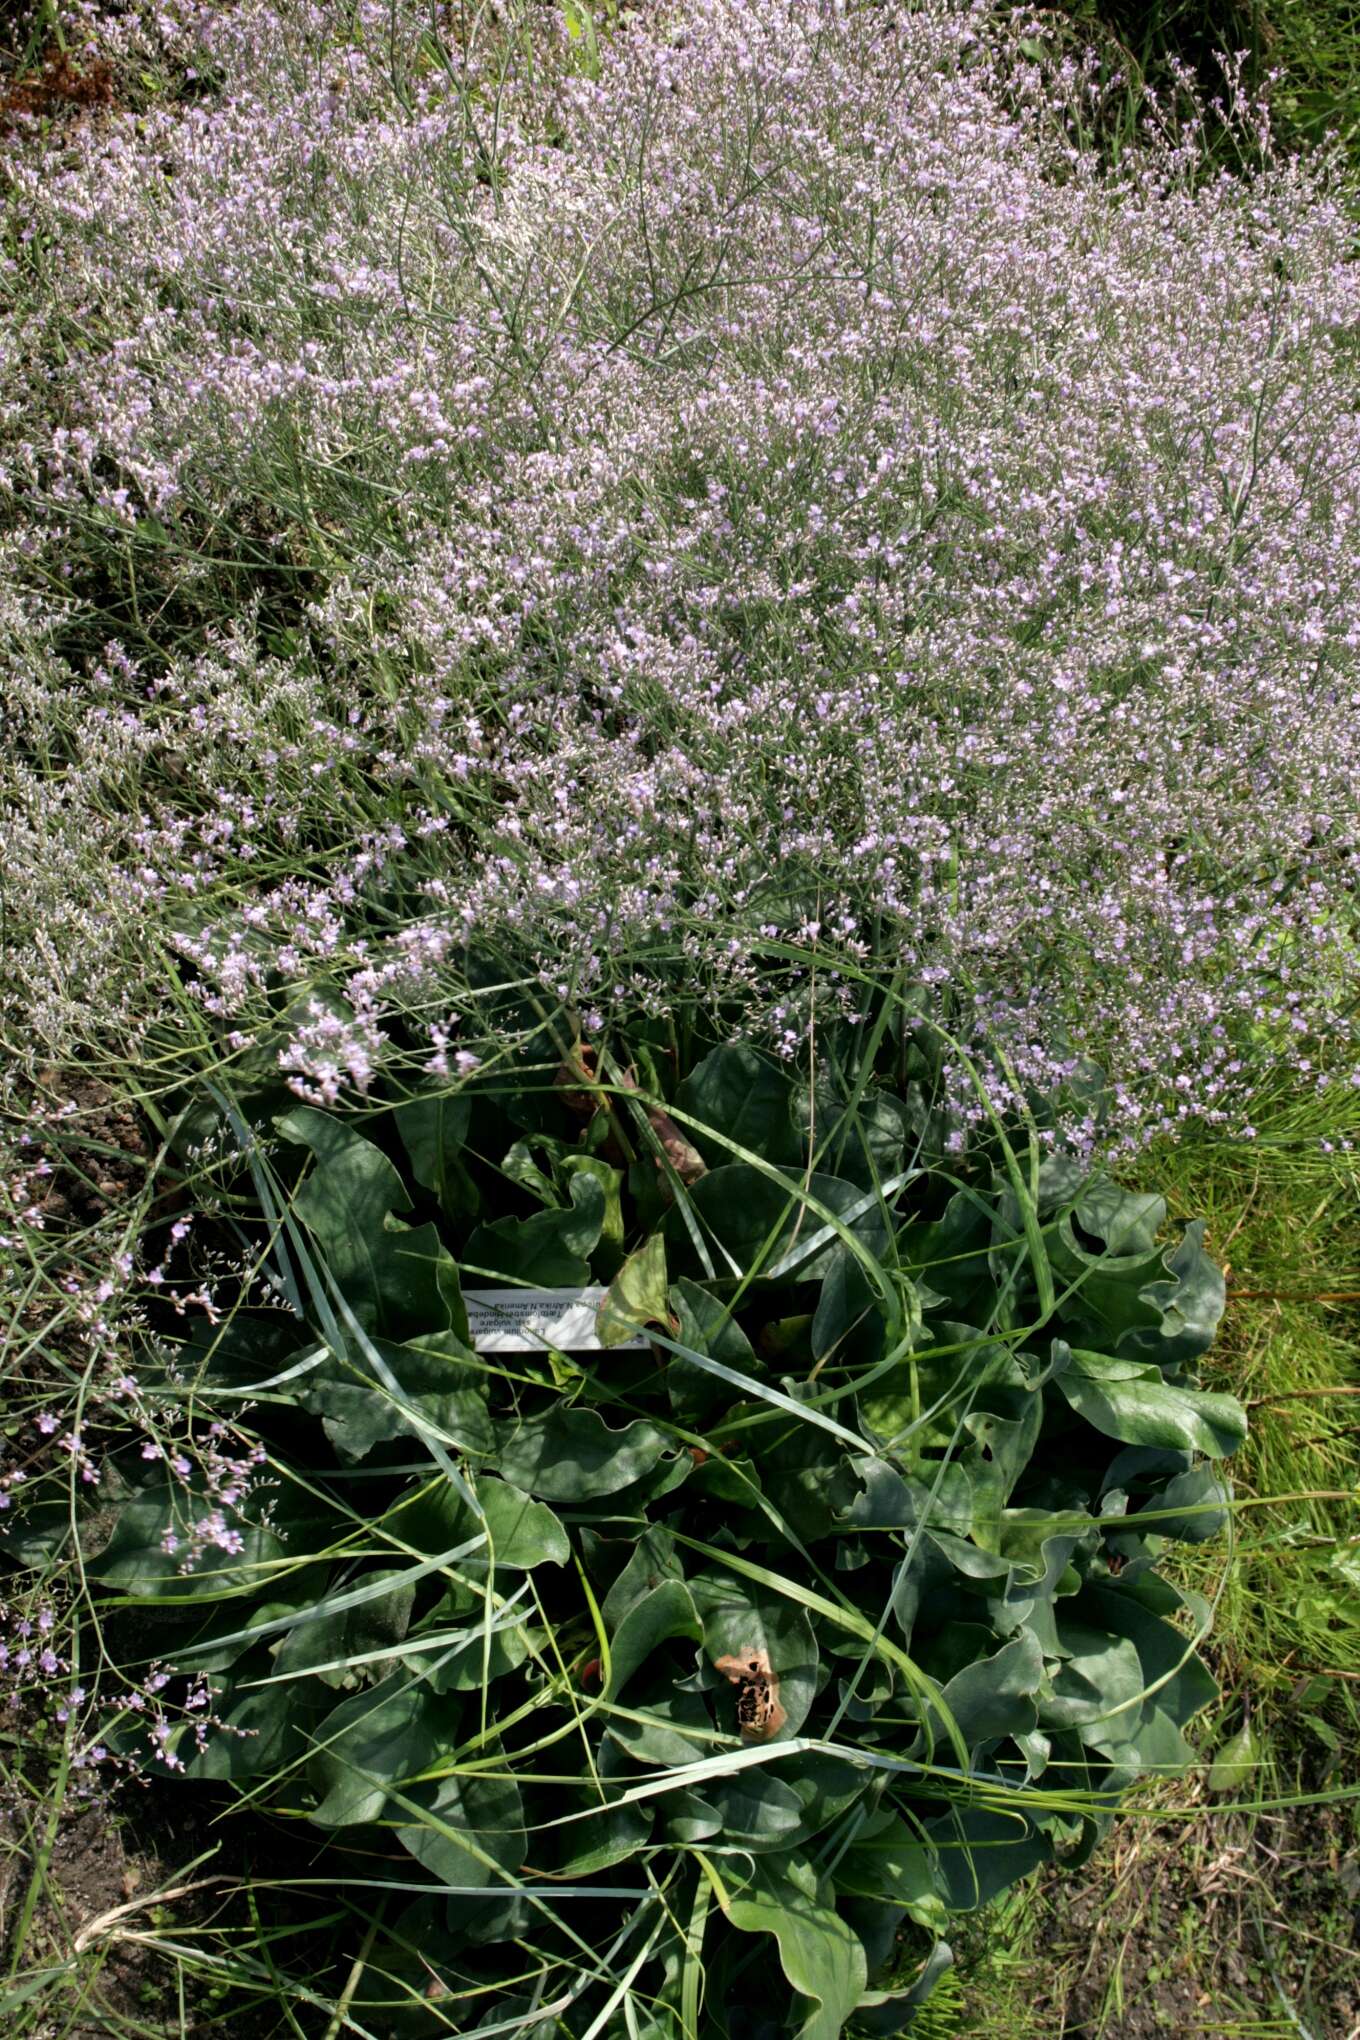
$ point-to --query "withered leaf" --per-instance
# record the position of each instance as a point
(759, 1713)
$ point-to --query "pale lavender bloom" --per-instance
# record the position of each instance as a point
(796, 494)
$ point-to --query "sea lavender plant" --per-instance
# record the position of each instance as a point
(628, 512)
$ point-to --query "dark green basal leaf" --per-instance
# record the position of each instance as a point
(664, 1615)
(951, 1256)
(820, 1954)
(758, 1812)
(742, 1621)
(601, 1834)
(1100, 1672)
(551, 1249)
(867, 1144)
(770, 1230)
(487, 1647)
(1131, 1401)
(691, 1818)
(1192, 1507)
(571, 1455)
(705, 1325)
(215, 1641)
(848, 1324)
(888, 1859)
(1162, 1304)
(398, 1280)
(1103, 1218)
(1172, 1671)
(437, 1388)
(521, 1534)
(991, 1699)
(326, 1648)
(648, 1560)
(466, 1831)
(800, 1470)
(826, 1787)
(378, 1742)
(747, 1097)
(264, 1728)
(147, 1558)
(1141, 1467)
(247, 1348)
(927, 1402)
(665, 1726)
(980, 1854)
(433, 1129)
(1190, 1302)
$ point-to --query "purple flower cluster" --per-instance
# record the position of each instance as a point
(775, 485)
(94, 1393)
(101, 1727)
(96, 1402)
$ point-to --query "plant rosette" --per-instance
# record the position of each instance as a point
(812, 1598)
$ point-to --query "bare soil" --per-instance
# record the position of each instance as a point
(1220, 1924)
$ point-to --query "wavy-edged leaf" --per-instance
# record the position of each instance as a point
(437, 1388)
(747, 1097)
(399, 1280)
(662, 1616)
(994, 1697)
(821, 1956)
(571, 1455)
(1132, 1401)
(520, 1533)
(551, 1249)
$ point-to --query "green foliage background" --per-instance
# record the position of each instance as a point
(907, 1431)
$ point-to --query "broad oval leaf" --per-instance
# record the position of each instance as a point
(822, 1957)
(571, 1455)
(1136, 1404)
(398, 1280)
(549, 1249)
(520, 1533)
(742, 1622)
(374, 1743)
(745, 1096)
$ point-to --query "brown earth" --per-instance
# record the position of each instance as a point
(1207, 1927)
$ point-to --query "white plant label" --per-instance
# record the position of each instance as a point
(527, 1320)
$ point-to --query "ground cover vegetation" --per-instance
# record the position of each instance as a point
(711, 652)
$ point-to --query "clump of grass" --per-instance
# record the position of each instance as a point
(1284, 1214)
(1315, 44)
